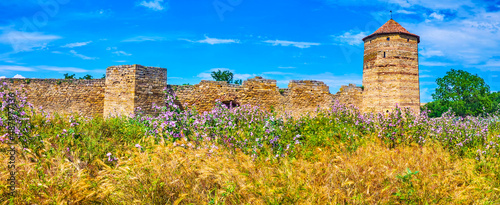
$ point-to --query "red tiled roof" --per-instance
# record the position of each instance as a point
(392, 26)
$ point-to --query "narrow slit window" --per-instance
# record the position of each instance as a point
(407, 40)
(388, 38)
(384, 54)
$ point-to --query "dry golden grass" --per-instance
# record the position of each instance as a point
(169, 174)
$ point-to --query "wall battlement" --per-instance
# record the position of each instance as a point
(299, 97)
(128, 87)
(390, 78)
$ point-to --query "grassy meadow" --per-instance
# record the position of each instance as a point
(245, 155)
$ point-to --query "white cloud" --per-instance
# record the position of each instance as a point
(62, 69)
(2, 77)
(81, 56)
(213, 41)
(26, 41)
(292, 43)
(490, 65)
(117, 52)
(425, 95)
(351, 38)
(122, 53)
(437, 16)
(470, 40)
(286, 67)
(276, 73)
(431, 4)
(77, 44)
(402, 11)
(43, 67)
(437, 64)
(243, 76)
(426, 76)
(144, 38)
(15, 68)
(155, 5)
(18, 76)
(431, 53)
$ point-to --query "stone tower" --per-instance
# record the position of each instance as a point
(132, 86)
(390, 69)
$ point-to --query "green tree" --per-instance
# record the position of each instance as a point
(495, 97)
(463, 93)
(223, 76)
(67, 76)
(87, 77)
(238, 82)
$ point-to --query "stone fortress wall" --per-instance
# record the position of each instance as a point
(128, 87)
(390, 78)
(300, 96)
(63, 96)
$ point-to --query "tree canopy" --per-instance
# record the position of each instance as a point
(225, 76)
(463, 93)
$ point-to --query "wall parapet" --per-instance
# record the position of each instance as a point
(127, 87)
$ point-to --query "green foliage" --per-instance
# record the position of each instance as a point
(238, 82)
(462, 92)
(282, 91)
(103, 76)
(223, 76)
(495, 97)
(406, 194)
(87, 77)
(67, 76)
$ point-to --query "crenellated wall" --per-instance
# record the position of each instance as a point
(128, 87)
(350, 95)
(300, 97)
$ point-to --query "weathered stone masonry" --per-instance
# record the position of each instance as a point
(300, 97)
(390, 69)
(125, 88)
(132, 86)
(390, 77)
(63, 96)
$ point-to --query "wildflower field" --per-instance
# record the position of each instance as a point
(244, 155)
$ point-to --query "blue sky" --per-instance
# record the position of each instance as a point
(282, 40)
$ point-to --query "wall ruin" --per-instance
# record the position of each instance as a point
(299, 97)
(63, 96)
(134, 86)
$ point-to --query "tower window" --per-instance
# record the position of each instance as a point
(388, 38)
(407, 40)
(384, 54)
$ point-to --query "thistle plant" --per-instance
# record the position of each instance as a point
(15, 112)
